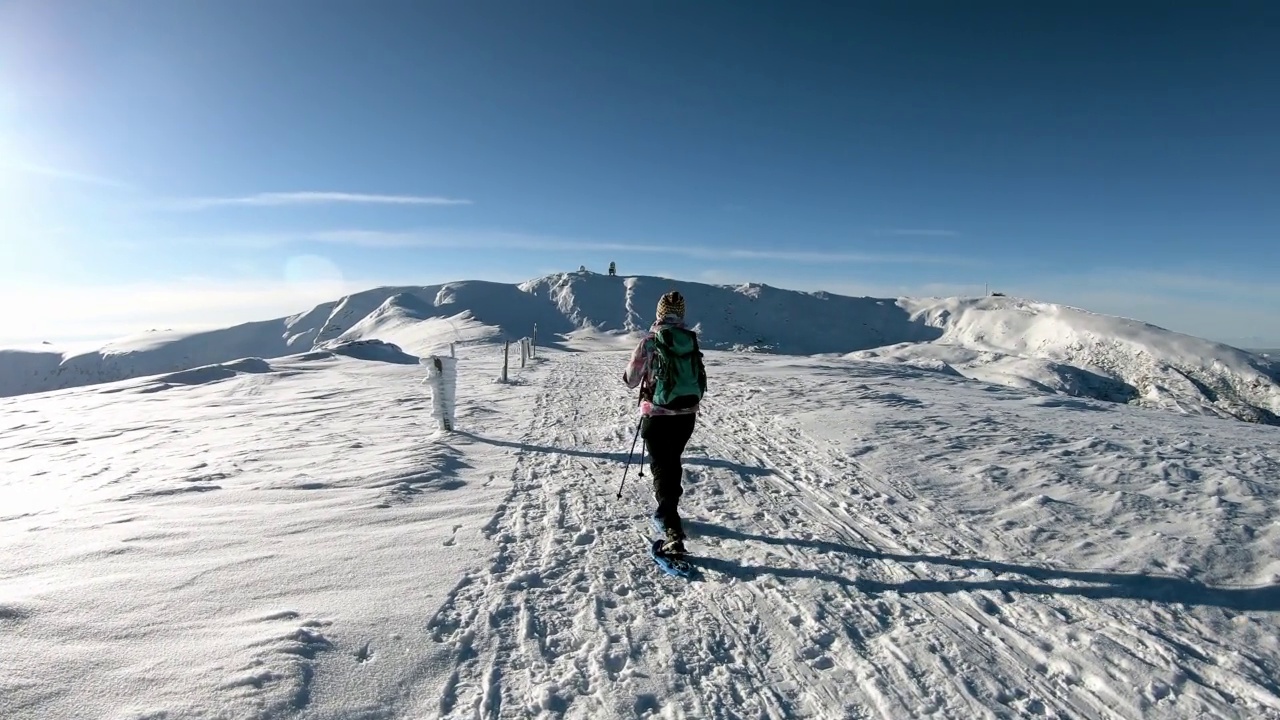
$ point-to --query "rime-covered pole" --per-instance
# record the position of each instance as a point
(443, 374)
(506, 355)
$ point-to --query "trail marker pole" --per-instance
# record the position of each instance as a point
(442, 373)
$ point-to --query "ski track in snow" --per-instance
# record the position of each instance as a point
(570, 606)
(826, 592)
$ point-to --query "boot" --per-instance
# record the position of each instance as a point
(674, 543)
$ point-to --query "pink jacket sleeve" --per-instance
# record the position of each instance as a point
(638, 369)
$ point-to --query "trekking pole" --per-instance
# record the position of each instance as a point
(633, 449)
(629, 456)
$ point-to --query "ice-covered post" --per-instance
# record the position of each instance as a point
(506, 354)
(533, 340)
(443, 374)
(524, 351)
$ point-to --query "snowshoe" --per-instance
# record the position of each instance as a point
(673, 565)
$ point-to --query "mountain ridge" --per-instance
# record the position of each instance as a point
(1020, 342)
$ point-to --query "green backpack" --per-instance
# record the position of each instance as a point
(680, 378)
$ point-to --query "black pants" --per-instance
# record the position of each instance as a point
(666, 436)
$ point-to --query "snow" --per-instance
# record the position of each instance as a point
(372, 350)
(947, 528)
(1015, 342)
(207, 551)
(1107, 357)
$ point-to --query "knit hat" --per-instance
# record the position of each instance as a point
(671, 304)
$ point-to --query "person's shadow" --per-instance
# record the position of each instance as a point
(619, 457)
(1092, 584)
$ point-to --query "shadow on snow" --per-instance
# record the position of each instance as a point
(620, 457)
(1102, 585)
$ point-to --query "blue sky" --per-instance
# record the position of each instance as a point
(209, 162)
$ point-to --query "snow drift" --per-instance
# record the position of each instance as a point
(215, 373)
(372, 351)
(1060, 349)
(1009, 341)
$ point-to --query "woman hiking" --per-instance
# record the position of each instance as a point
(667, 366)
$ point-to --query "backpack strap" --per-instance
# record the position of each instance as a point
(662, 337)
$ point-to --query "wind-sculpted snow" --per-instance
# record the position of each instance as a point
(1062, 349)
(218, 549)
(215, 373)
(1009, 341)
(873, 540)
(373, 351)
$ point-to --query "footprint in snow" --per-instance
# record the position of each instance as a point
(281, 615)
(452, 539)
(11, 613)
(818, 659)
(364, 654)
(647, 704)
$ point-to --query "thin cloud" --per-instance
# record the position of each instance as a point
(282, 199)
(888, 290)
(101, 312)
(69, 175)
(819, 258)
(918, 232)
(517, 241)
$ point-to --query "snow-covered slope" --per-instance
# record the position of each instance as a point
(290, 538)
(1009, 341)
(1062, 349)
(418, 319)
(143, 355)
(736, 317)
